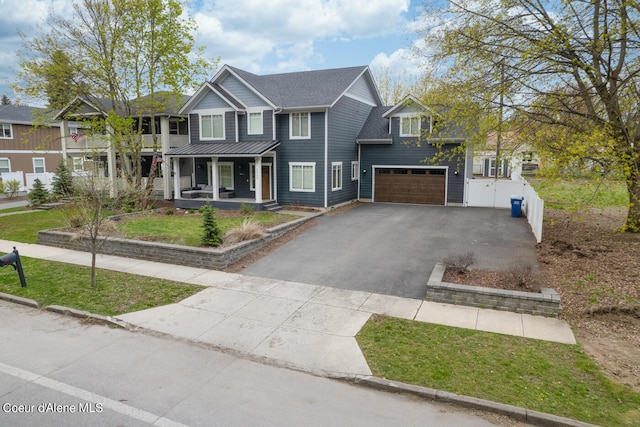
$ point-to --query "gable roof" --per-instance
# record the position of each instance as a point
(406, 101)
(101, 106)
(298, 90)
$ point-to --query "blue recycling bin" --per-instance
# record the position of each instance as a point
(516, 206)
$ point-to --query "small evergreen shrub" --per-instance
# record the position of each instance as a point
(211, 235)
(62, 182)
(38, 194)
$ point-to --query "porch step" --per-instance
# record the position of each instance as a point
(271, 207)
(48, 206)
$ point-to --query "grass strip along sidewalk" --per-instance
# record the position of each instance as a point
(543, 376)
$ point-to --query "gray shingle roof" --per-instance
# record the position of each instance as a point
(319, 88)
(20, 114)
(249, 148)
(376, 127)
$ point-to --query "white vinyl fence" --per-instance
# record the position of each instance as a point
(45, 178)
(14, 176)
(491, 193)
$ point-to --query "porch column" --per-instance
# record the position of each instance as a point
(165, 138)
(258, 183)
(176, 177)
(64, 133)
(215, 179)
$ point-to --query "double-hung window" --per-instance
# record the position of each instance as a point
(5, 165)
(300, 125)
(336, 176)
(302, 176)
(5, 131)
(354, 170)
(38, 165)
(78, 164)
(211, 126)
(410, 126)
(255, 123)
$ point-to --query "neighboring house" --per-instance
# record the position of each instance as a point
(315, 138)
(85, 152)
(28, 150)
(516, 159)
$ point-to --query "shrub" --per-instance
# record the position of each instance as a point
(460, 263)
(38, 194)
(249, 230)
(246, 209)
(12, 187)
(523, 276)
(169, 212)
(210, 231)
(62, 182)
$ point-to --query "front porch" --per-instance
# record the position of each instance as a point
(227, 204)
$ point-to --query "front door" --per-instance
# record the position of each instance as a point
(266, 182)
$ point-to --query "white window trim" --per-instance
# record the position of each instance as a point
(255, 131)
(232, 175)
(44, 164)
(8, 163)
(212, 113)
(355, 167)
(335, 165)
(410, 116)
(79, 160)
(291, 136)
(313, 187)
(2, 125)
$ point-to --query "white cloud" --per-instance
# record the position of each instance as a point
(247, 32)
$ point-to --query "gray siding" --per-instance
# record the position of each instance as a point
(241, 92)
(345, 121)
(229, 125)
(300, 150)
(361, 89)
(267, 127)
(209, 101)
(405, 152)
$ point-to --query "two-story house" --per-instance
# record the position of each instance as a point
(28, 149)
(315, 138)
(85, 151)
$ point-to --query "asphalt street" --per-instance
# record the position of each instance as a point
(58, 371)
(391, 249)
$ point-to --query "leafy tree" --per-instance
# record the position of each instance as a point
(38, 194)
(572, 67)
(211, 235)
(138, 55)
(5, 100)
(62, 183)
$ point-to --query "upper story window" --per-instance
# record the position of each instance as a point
(178, 127)
(300, 125)
(78, 164)
(255, 123)
(211, 126)
(5, 131)
(410, 126)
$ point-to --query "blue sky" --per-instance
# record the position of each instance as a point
(263, 37)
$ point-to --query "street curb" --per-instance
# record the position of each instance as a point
(81, 314)
(514, 412)
(19, 300)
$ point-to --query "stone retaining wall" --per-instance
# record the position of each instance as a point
(545, 303)
(212, 258)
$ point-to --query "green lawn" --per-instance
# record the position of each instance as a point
(25, 227)
(9, 210)
(543, 376)
(187, 229)
(580, 193)
(55, 283)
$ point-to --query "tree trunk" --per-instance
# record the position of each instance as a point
(633, 216)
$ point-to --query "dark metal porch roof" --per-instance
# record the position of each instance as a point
(240, 149)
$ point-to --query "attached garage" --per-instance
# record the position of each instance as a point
(410, 185)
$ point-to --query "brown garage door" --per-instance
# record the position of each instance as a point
(406, 185)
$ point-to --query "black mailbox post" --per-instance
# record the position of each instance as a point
(13, 259)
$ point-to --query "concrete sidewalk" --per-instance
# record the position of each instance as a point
(304, 326)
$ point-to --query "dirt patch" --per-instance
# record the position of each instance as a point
(596, 271)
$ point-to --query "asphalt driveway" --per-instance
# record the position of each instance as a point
(392, 248)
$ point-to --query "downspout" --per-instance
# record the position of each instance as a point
(359, 169)
(326, 156)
